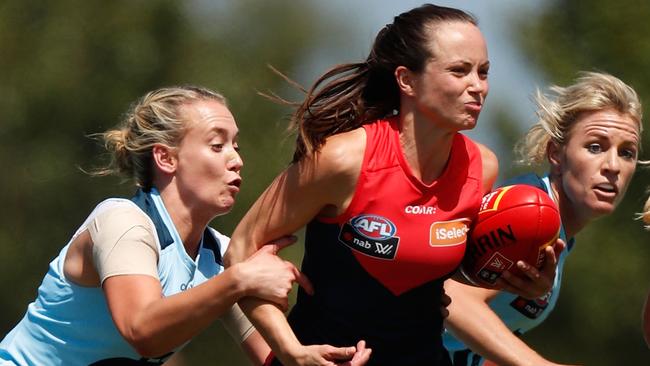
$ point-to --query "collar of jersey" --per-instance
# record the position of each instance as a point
(145, 201)
(547, 184)
(152, 204)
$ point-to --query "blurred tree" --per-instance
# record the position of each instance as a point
(71, 68)
(597, 321)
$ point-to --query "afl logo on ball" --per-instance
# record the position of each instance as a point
(372, 235)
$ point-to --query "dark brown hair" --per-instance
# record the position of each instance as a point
(349, 95)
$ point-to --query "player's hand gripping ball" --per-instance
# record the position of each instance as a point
(514, 223)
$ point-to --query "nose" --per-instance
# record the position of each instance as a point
(478, 84)
(234, 161)
(612, 162)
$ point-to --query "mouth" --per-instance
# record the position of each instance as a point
(607, 190)
(235, 184)
(474, 106)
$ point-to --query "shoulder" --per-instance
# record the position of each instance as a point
(489, 164)
(329, 177)
(488, 157)
(340, 156)
(120, 212)
(114, 217)
(344, 147)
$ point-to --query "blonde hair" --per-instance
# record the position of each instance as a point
(156, 118)
(591, 91)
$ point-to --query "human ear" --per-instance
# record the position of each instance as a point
(554, 156)
(164, 158)
(405, 80)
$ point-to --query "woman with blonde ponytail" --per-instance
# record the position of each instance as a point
(141, 277)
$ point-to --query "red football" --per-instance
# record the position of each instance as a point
(514, 223)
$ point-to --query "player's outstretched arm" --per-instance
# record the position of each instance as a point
(303, 191)
(154, 325)
(473, 322)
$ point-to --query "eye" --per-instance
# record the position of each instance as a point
(217, 147)
(483, 73)
(459, 70)
(594, 148)
(236, 147)
(629, 154)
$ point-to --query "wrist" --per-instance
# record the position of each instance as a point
(290, 356)
(534, 359)
(241, 287)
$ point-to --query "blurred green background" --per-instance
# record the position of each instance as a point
(71, 68)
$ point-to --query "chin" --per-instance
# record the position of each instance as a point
(224, 206)
(602, 209)
(227, 206)
(222, 211)
(468, 124)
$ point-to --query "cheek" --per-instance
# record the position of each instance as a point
(569, 185)
(574, 181)
(627, 173)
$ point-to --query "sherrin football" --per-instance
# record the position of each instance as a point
(514, 223)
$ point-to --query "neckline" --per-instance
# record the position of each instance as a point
(164, 215)
(417, 182)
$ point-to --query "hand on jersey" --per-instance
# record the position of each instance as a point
(326, 355)
(269, 277)
(536, 283)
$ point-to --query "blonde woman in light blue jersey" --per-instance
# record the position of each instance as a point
(141, 277)
(589, 134)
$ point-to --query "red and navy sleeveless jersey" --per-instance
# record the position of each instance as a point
(378, 268)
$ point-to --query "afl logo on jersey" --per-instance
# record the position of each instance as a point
(371, 235)
(373, 227)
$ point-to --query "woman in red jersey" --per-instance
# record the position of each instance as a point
(387, 187)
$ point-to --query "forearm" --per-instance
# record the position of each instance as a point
(490, 338)
(161, 325)
(256, 348)
(483, 331)
(271, 323)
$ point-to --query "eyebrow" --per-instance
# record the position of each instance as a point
(600, 134)
(464, 62)
(220, 131)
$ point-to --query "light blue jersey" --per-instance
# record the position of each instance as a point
(71, 325)
(519, 314)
